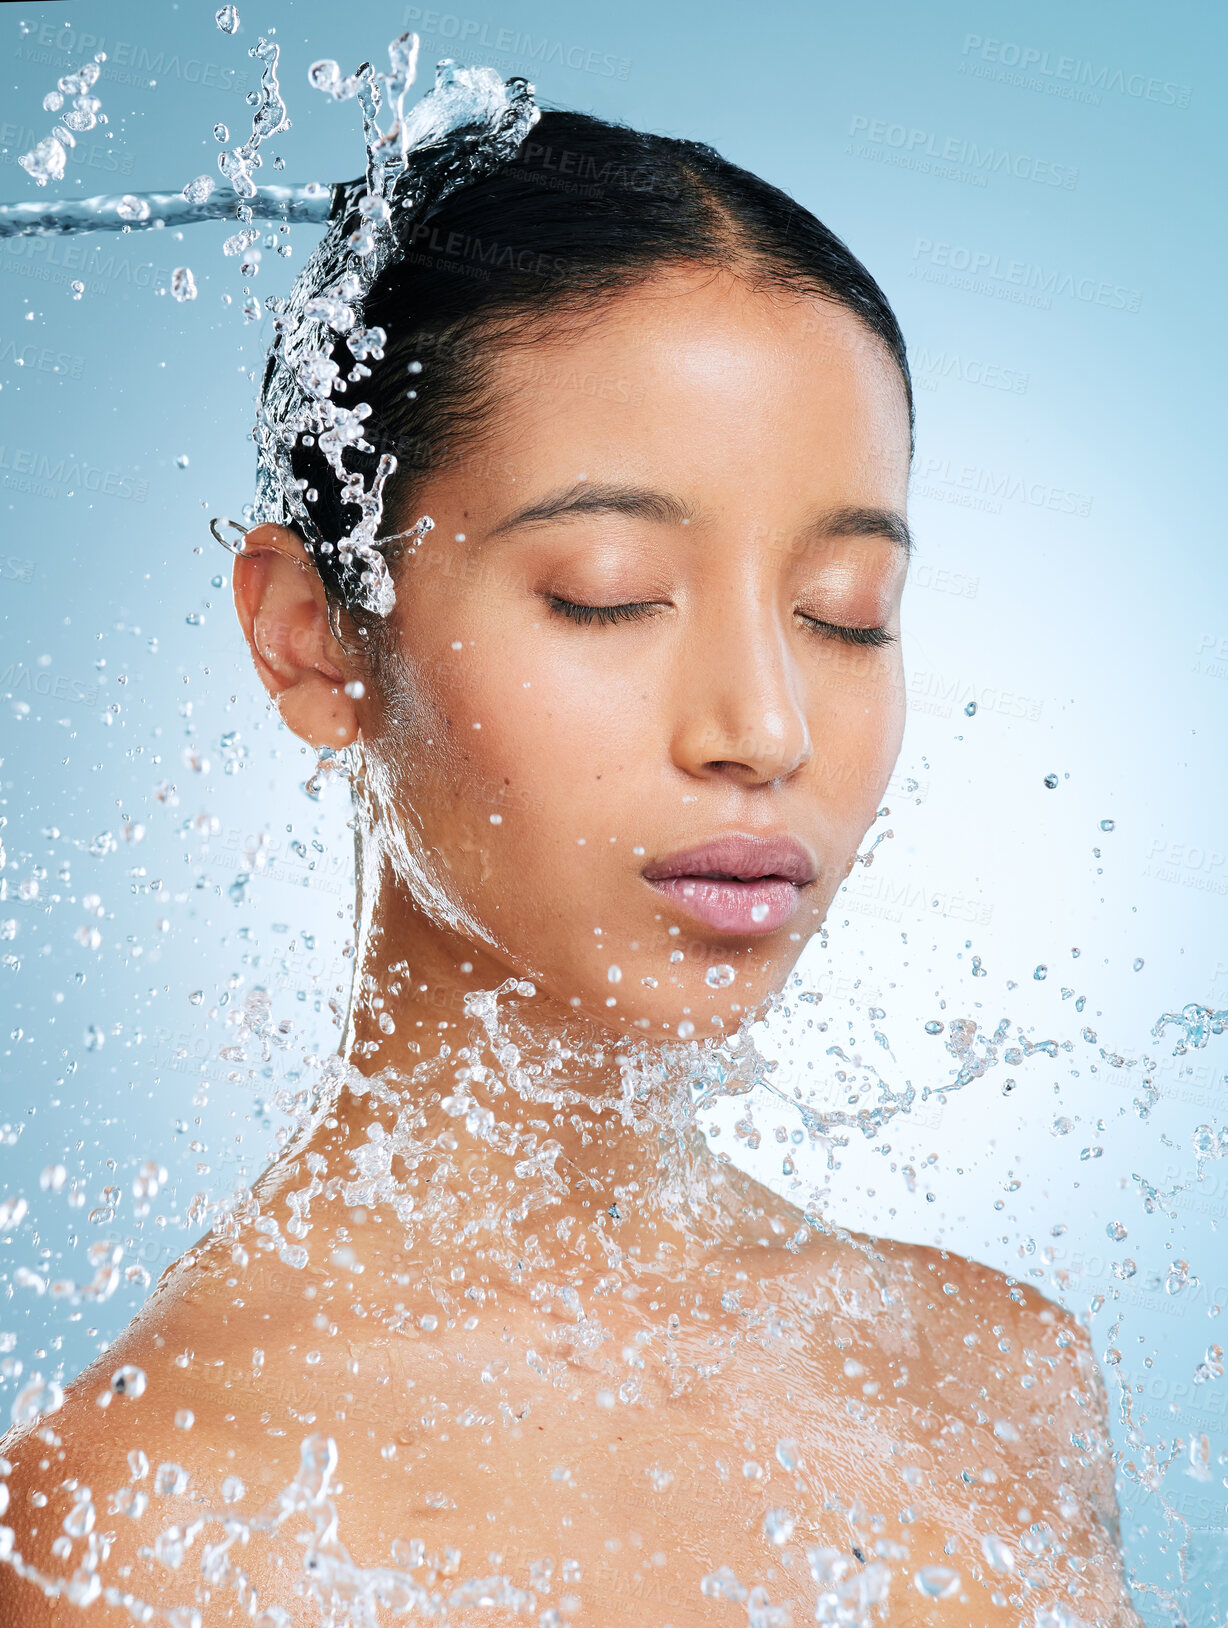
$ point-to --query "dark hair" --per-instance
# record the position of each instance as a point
(583, 210)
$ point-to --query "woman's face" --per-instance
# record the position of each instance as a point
(649, 689)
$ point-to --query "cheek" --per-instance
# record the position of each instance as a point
(508, 753)
(856, 713)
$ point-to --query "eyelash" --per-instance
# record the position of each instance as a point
(606, 615)
(873, 638)
(603, 614)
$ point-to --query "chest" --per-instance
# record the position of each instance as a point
(657, 1501)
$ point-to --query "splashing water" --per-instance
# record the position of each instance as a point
(426, 1221)
(48, 160)
(566, 1320)
(134, 211)
(470, 122)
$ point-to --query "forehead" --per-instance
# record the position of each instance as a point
(708, 381)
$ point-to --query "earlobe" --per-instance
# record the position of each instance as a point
(283, 611)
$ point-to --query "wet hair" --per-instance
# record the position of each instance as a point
(584, 210)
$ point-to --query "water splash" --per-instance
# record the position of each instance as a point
(147, 211)
(48, 160)
(401, 1168)
(467, 124)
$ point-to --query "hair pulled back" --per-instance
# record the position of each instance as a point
(585, 209)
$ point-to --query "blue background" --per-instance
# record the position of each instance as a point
(1038, 191)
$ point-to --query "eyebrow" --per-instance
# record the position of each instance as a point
(864, 522)
(602, 497)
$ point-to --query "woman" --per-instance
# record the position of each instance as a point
(500, 1337)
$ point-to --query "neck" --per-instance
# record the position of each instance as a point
(571, 1122)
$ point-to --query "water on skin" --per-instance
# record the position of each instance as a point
(414, 1389)
(407, 1384)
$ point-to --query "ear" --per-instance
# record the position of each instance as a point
(283, 611)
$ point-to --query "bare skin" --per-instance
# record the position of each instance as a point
(591, 1359)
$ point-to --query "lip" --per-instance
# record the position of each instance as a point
(737, 884)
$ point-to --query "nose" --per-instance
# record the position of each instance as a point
(740, 704)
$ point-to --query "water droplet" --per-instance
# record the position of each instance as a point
(128, 1381)
(38, 1396)
(719, 976)
(221, 133)
(355, 689)
(997, 1554)
(1041, 973)
(1108, 825)
(227, 19)
(933, 1027)
(1177, 1278)
(778, 1526)
(1212, 1365)
(970, 710)
(758, 912)
(686, 1029)
(722, 1584)
(614, 974)
(936, 1582)
(78, 289)
(1138, 963)
(232, 1489)
(199, 190)
(1051, 781)
(1116, 1230)
(45, 162)
(184, 1418)
(79, 1522)
(786, 1454)
(183, 284)
(170, 1480)
(1124, 1268)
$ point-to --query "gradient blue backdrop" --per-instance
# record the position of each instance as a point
(1038, 189)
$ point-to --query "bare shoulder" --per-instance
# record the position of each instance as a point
(114, 1497)
(1024, 1367)
(1022, 1350)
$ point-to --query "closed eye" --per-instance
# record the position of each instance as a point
(873, 637)
(605, 614)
